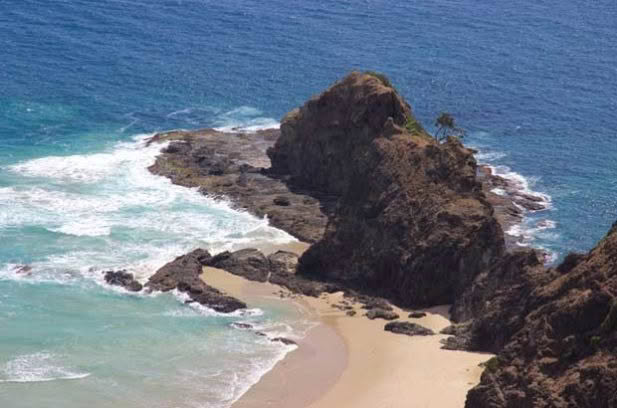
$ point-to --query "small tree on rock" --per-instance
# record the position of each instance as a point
(446, 127)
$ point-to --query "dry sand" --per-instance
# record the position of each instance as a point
(352, 362)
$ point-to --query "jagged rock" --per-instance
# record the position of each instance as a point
(242, 326)
(283, 262)
(235, 165)
(183, 273)
(369, 302)
(497, 300)
(278, 268)
(407, 328)
(124, 279)
(417, 315)
(282, 201)
(418, 223)
(570, 261)
(460, 337)
(412, 224)
(23, 270)
(563, 353)
(350, 313)
(249, 263)
(284, 340)
(382, 314)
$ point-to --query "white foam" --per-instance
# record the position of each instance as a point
(489, 156)
(246, 119)
(499, 191)
(521, 184)
(88, 227)
(88, 168)
(120, 215)
(520, 188)
(38, 367)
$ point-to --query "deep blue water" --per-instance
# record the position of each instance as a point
(533, 82)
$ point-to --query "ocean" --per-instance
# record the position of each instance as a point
(84, 82)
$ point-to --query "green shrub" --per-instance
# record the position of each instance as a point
(595, 341)
(492, 364)
(384, 79)
(413, 126)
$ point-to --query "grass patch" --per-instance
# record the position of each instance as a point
(413, 126)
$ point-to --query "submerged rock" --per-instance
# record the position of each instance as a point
(284, 340)
(242, 326)
(123, 279)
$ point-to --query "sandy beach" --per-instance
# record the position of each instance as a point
(350, 361)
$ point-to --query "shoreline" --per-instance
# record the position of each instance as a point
(350, 360)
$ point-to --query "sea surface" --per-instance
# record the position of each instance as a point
(84, 82)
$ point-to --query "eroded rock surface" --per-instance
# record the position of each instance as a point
(412, 223)
(562, 351)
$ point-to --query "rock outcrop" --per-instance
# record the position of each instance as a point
(183, 274)
(408, 329)
(412, 223)
(277, 268)
(393, 213)
(232, 165)
(562, 348)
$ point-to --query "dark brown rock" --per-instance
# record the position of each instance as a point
(241, 326)
(459, 337)
(412, 223)
(417, 315)
(123, 279)
(407, 328)
(234, 165)
(283, 262)
(282, 201)
(369, 302)
(382, 314)
(564, 353)
(183, 273)
(285, 341)
(249, 263)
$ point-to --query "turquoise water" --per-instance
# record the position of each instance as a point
(78, 345)
(83, 82)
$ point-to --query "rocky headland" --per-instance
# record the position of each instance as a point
(394, 214)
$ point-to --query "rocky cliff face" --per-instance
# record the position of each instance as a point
(412, 223)
(564, 351)
(407, 219)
